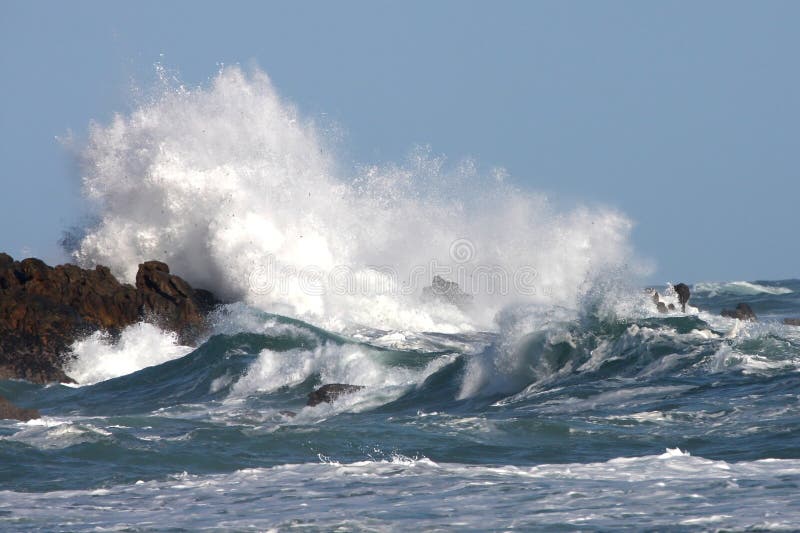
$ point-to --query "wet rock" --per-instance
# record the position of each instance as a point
(9, 411)
(683, 292)
(660, 305)
(447, 291)
(742, 312)
(44, 309)
(791, 321)
(173, 302)
(329, 392)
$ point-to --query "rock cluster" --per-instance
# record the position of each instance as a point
(681, 290)
(44, 309)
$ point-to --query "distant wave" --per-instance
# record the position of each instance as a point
(743, 288)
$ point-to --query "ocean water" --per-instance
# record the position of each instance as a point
(556, 399)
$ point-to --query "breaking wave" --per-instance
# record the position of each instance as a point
(239, 193)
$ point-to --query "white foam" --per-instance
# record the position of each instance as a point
(649, 492)
(98, 358)
(235, 190)
(351, 364)
(729, 357)
(54, 433)
(741, 288)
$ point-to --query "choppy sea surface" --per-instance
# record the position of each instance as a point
(554, 396)
(679, 421)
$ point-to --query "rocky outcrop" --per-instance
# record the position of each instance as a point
(44, 309)
(742, 312)
(173, 302)
(791, 321)
(328, 393)
(9, 411)
(447, 291)
(683, 292)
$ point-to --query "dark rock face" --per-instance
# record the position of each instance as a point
(742, 312)
(683, 292)
(171, 300)
(328, 393)
(448, 291)
(9, 411)
(791, 321)
(44, 309)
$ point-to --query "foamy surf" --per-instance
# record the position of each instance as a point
(542, 393)
(659, 491)
(99, 357)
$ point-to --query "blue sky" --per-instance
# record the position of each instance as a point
(683, 115)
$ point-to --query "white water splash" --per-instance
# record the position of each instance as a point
(98, 358)
(238, 193)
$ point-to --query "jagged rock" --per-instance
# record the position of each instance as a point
(742, 312)
(329, 392)
(661, 306)
(44, 309)
(171, 300)
(448, 291)
(791, 321)
(9, 411)
(683, 292)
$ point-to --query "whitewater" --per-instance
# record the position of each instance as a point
(555, 396)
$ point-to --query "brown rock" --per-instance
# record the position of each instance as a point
(10, 411)
(44, 309)
(791, 321)
(329, 392)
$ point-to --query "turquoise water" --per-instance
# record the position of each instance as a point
(681, 421)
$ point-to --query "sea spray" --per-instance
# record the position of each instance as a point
(99, 357)
(239, 193)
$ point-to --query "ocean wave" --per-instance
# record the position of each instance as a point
(99, 357)
(403, 492)
(737, 288)
(239, 194)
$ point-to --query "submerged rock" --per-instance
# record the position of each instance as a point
(791, 321)
(329, 392)
(9, 411)
(44, 309)
(742, 312)
(447, 291)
